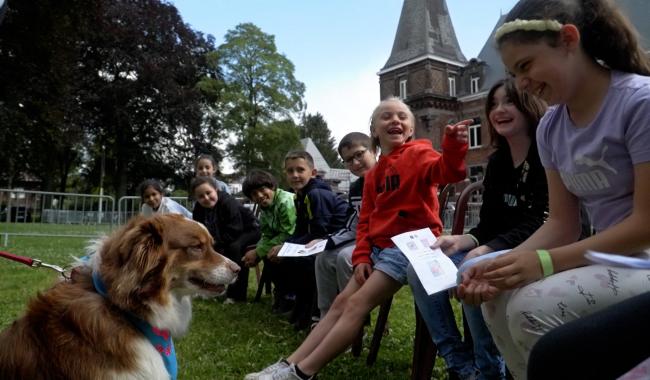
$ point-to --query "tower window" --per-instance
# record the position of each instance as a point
(474, 85)
(452, 87)
(402, 89)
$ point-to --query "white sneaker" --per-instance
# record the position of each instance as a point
(287, 373)
(229, 301)
(279, 365)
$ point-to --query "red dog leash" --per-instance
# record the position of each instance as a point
(34, 263)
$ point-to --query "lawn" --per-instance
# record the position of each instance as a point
(224, 341)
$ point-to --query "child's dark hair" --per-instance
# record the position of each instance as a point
(258, 179)
(530, 106)
(295, 154)
(354, 138)
(206, 157)
(605, 33)
(198, 181)
(150, 182)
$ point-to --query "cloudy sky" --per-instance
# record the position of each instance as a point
(337, 46)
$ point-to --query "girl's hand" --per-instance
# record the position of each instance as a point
(458, 131)
(451, 244)
(513, 270)
(476, 252)
(362, 272)
(474, 288)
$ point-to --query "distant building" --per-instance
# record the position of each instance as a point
(428, 70)
(338, 179)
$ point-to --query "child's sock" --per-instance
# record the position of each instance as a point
(301, 374)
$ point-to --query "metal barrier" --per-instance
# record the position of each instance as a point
(40, 213)
(81, 215)
(471, 216)
(129, 206)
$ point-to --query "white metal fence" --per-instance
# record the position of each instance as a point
(39, 213)
(73, 215)
(129, 206)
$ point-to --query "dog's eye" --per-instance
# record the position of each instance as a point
(195, 249)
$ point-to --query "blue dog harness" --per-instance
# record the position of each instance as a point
(160, 339)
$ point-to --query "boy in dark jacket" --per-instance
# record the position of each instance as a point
(319, 213)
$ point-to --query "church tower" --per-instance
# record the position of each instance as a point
(425, 67)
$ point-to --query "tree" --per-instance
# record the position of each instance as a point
(40, 115)
(315, 127)
(124, 75)
(147, 73)
(260, 89)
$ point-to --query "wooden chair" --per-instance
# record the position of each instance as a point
(424, 350)
(384, 309)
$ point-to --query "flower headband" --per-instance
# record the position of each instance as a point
(528, 25)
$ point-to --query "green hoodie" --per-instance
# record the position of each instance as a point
(277, 221)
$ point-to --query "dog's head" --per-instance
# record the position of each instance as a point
(152, 260)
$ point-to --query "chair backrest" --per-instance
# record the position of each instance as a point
(443, 198)
(458, 225)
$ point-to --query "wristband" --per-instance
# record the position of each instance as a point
(545, 261)
(474, 239)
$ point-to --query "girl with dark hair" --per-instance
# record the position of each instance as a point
(232, 226)
(515, 203)
(583, 58)
(154, 200)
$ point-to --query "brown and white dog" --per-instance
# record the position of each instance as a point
(147, 272)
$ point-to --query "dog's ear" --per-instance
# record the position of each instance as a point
(142, 238)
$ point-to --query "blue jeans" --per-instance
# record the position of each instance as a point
(439, 316)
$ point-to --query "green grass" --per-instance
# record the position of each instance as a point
(224, 341)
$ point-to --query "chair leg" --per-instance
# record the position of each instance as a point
(357, 345)
(424, 350)
(380, 326)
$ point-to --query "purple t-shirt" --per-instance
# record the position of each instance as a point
(596, 162)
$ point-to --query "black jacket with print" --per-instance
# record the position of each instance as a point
(515, 200)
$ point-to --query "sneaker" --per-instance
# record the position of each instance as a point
(279, 365)
(288, 373)
(229, 301)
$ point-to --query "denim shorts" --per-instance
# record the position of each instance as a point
(390, 261)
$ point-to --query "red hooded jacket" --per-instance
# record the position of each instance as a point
(400, 193)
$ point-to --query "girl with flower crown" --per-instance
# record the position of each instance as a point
(583, 58)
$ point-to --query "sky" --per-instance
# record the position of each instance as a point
(337, 46)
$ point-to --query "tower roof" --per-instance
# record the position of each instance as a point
(424, 30)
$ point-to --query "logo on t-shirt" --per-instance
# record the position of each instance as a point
(595, 178)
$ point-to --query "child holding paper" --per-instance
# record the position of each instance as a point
(399, 195)
(515, 203)
(584, 59)
(319, 212)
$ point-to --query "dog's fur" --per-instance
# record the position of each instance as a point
(151, 268)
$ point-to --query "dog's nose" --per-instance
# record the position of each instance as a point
(234, 267)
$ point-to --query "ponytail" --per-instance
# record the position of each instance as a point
(608, 36)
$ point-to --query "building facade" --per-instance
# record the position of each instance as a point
(428, 70)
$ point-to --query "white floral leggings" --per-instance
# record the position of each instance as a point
(519, 317)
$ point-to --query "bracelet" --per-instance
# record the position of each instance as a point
(545, 261)
(474, 239)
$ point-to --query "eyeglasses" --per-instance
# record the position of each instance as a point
(358, 156)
